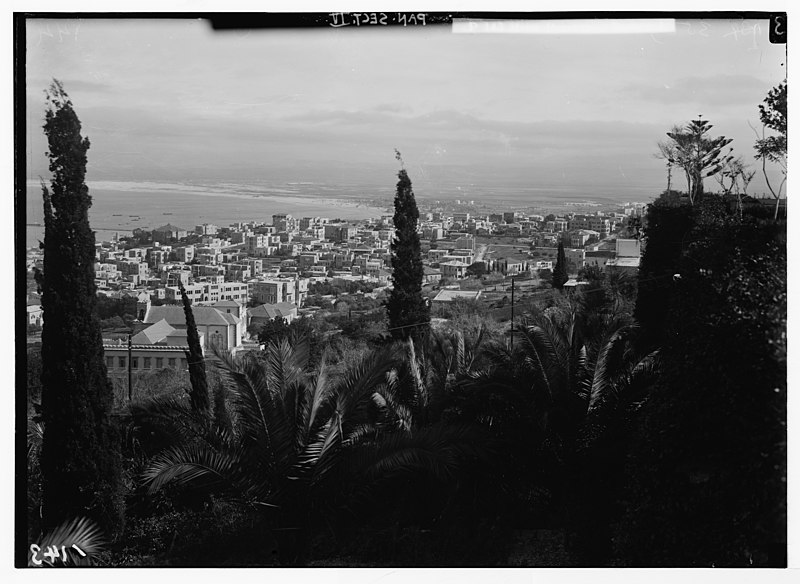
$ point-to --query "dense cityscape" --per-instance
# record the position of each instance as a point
(256, 269)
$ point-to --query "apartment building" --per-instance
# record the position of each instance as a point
(274, 291)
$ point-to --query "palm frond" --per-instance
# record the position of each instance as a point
(35, 438)
(314, 398)
(258, 408)
(641, 376)
(535, 361)
(82, 541)
(459, 350)
(395, 412)
(171, 414)
(474, 351)
(420, 390)
(438, 451)
(193, 465)
(612, 366)
(359, 382)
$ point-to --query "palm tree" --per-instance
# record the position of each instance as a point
(304, 445)
(434, 365)
(557, 394)
(565, 375)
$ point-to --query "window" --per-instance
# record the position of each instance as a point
(159, 362)
(110, 362)
(171, 361)
(146, 363)
(122, 362)
(134, 362)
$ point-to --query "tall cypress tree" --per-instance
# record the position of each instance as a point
(80, 459)
(408, 312)
(560, 270)
(197, 365)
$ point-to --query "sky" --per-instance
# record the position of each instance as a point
(172, 100)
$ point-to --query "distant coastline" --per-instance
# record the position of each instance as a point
(122, 206)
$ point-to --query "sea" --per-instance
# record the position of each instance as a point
(122, 206)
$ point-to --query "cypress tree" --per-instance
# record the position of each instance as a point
(560, 270)
(197, 365)
(80, 459)
(408, 312)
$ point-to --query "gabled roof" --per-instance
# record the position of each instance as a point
(270, 311)
(230, 317)
(203, 316)
(153, 334)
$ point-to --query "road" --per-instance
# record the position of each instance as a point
(481, 251)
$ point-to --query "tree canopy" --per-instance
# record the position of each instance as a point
(699, 155)
(774, 116)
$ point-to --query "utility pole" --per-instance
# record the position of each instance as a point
(130, 368)
(512, 314)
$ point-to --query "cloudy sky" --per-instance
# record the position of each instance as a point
(172, 100)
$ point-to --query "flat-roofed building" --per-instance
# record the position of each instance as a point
(454, 269)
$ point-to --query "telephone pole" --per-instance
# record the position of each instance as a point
(130, 368)
(512, 314)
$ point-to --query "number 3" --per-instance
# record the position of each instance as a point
(33, 554)
(778, 26)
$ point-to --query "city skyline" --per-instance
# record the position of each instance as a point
(173, 100)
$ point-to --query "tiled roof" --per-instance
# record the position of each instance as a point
(270, 311)
(153, 334)
(164, 348)
(203, 316)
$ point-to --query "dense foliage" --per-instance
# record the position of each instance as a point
(667, 233)
(774, 116)
(335, 287)
(715, 491)
(80, 458)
